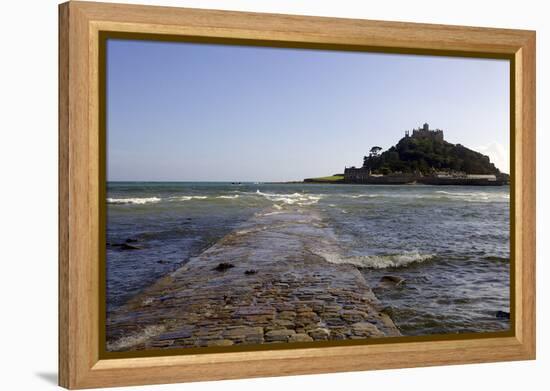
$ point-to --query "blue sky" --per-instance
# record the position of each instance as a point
(195, 112)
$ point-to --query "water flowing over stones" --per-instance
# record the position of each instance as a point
(292, 295)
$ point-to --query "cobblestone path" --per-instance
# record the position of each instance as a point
(263, 283)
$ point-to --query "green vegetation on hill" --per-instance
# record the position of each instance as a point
(426, 155)
(328, 179)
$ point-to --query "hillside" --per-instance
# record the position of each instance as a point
(336, 178)
(427, 155)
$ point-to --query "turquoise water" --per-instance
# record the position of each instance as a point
(450, 244)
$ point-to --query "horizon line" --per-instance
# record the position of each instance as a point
(202, 181)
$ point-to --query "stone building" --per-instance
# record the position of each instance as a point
(425, 132)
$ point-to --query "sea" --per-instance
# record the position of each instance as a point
(450, 245)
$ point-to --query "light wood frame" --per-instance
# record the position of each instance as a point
(80, 165)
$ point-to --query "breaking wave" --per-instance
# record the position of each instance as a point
(270, 213)
(187, 198)
(376, 261)
(300, 199)
(133, 201)
(363, 195)
(437, 195)
(472, 197)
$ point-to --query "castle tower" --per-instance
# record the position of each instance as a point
(426, 127)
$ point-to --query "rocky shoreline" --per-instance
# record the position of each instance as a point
(263, 283)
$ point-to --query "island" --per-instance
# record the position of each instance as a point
(421, 157)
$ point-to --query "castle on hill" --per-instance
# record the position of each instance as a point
(411, 161)
(425, 132)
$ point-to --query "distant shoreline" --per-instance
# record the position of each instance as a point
(313, 182)
(411, 179)
(457, 182)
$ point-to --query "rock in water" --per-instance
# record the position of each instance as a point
(502, 315)
(387, 282)
(223, 267)
(126, 246)
(394, 279)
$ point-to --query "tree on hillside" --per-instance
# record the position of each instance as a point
(374, 151)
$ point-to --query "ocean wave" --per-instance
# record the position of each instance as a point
(457, 193)
(437, 195)
(363, 195)
(270, 213)
(480, 194)
(187, 198)
(133, 201)
(231, 197)
(300, 199)
(472, 197)
(376, 261)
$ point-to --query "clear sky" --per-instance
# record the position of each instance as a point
(196, 112)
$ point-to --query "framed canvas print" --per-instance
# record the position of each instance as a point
(247, 195)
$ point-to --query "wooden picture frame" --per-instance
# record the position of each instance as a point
(82, 162)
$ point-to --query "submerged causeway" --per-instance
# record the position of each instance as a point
(262, 283)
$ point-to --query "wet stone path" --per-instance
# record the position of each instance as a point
(262, 283)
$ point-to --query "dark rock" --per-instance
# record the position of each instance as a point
(502, 315)
(388, 282)
(250, 272)
(162, 262)
(131, 240)
(126, 246)
(393, 279)
(223, 267)
(111, 244)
